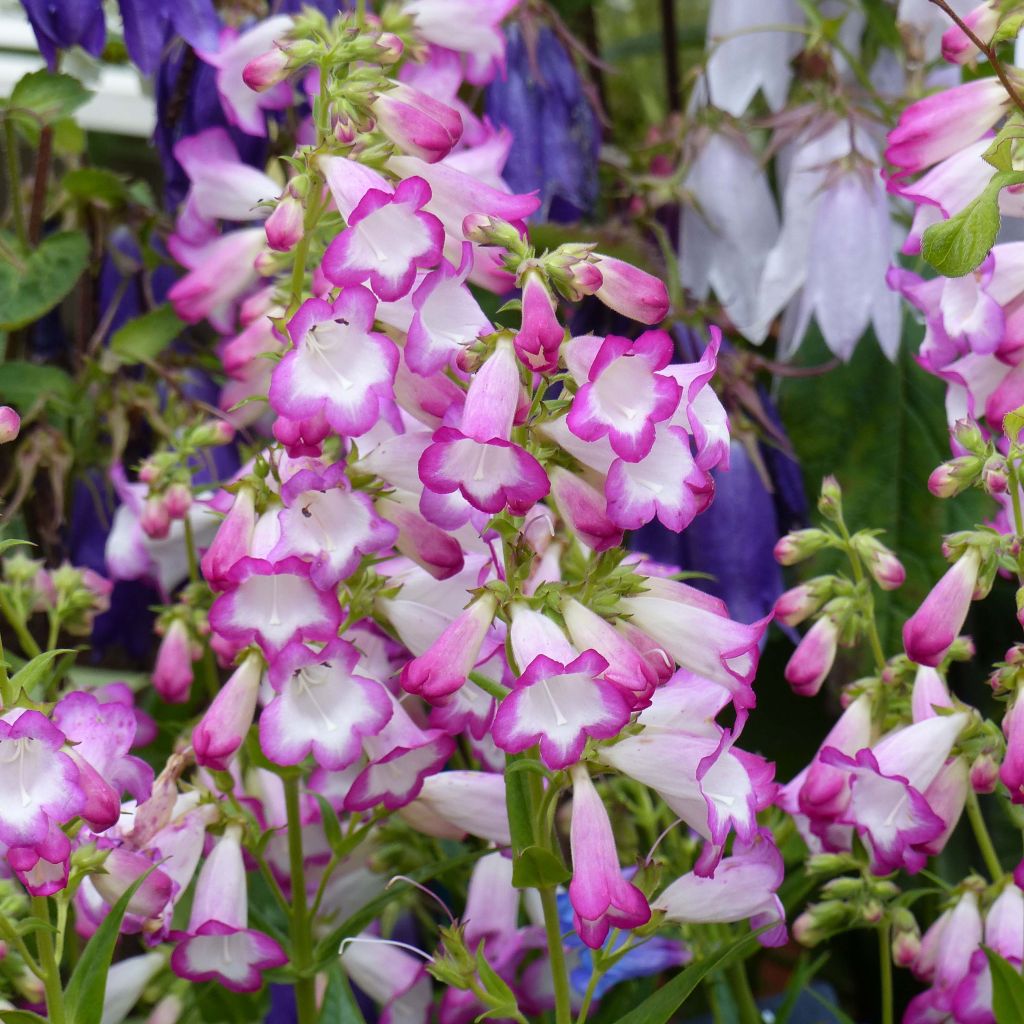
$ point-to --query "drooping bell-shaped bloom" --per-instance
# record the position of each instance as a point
(322, 707)
(419, 124)
(243, 106)
(42, 782)
(744, 886)
(218, 945)
(888, 781)
(625, 396)
(542, 100)
(60, 24)
(389, 235)
(477, 459)
(812, 661)
(931, 630)
(326, 521)
(748, 53)
(339, 367)
(273, 603)
(559, 705)
(442, 669)
(446, 318)
(222, 729)
(601, 898)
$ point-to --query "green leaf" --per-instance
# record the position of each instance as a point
(796, 986)
(87, 986)
(33, 282)
(1007, 990)
(22, 384)
(1009, 28)
(957, 246)
(141, 340)
(339, 1005)
(881, 429)
(21, 1017)
(96, 185)
(47, 96)
(536, 868)
(835, 1011)
(1000, 153)
(38, 668)
(332, 827)
(663, 1004)
(1013, 423)
(13, 542)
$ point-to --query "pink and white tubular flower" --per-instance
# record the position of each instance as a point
(477, 459)
(389, 235)
(416, 122)
(224, 187)
(1011, 771)
(744, 885)
(941, 124)
(983, 21)
(233, 539)
(1004, 925)
(401, 756)
(584, 509)
(243, 106)
(446, 318)
(540, 335)
(272, 604)
(221, 730)
(218, 945)
(326, 521)
(444, 668)
(454, 803)
(559, 705)
(392, 978)
(428, 545)
(322, 707)
(339, 367)
(42, 782)
(625, 396)
(43, 868)
(121, 869)
(695, 630)
(630, 291)
(601, 898)
(931, 630)
(888, 781)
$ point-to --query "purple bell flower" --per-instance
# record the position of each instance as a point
(541, 100)
(149, 26)
(59, 24)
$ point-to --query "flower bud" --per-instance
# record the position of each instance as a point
(798, 545)
(885, 568)
(486, 230)
(872, 911)
(390, 48)
(954, 476)
(968, 435)
(984, 773)
(906, 937)
(812, 661)
(266, 70)
(995, 474)
(155, 519)
(798, 603)
(212, 433)
(830, 501)
(10, 424)
(284, 225)
(178, 500)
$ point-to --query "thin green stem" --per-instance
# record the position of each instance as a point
(17, 621)
(1018, 517)
(982, 838)
(858, 576)
(885, 971)
(14, 181)
(302, 936)
(746, 1004)
(48, 962)
(190, 551)
(556, 953)
(10, 934)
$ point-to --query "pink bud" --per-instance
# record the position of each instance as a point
(172, 674)
(813, 658)
(232, 540)
(954, 476)
(10, 424)
(983, 21)
(221, 730)
(631, 291)
(798, 545)
(796, 604)
(931, 630)
(984, 773)
(391, 48)
(284, 225)
(155, 519)
(266, 70)
(178, 500)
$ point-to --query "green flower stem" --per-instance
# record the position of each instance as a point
(981, 836)
(559, 972)
(746, 1004)
(17, 621)
(14, 181)
(48, 962)
(302, 936)
(885, 972)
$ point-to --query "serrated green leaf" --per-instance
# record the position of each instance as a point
(1009, 28)
(33, 282)
(881, 429)
(957, 246)
(87, 986)
(1007, 990)
(47, 96)
(663, 1004)
(537, 868)
(1000, 153)
(1013, 423)
(37, 669)
(23, 384)
(95, 184)
(141, 340)
(339, 1005)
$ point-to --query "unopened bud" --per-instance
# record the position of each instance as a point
(178, 500)
(798, 545)
(284, 225)
(872, 911)
(906, 937)
(995, 474)
(984, 773)
(954, 476)
(266, 70)
(796, 604)
(485, 230)
(830, 501)
(212, 433)
(390, 48)
(968, 435)
(10, 424)
(155, 519)
(885, 568)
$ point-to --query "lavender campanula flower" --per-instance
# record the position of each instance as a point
(149, 26)
(543, 102)
(59, 24)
